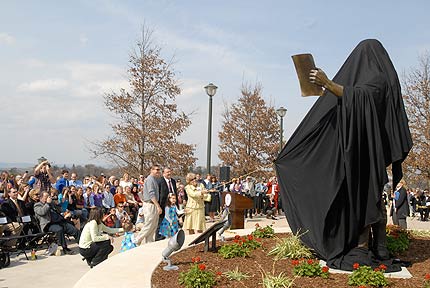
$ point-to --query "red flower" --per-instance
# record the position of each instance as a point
(361, 286)
(218, 273)
(427, 277)
(324, 269)
(250, 237)
(382, 267)
(195, 259)
(236, 240)
(202, 267)
(295, 262)
(310, 261)
(376, 269)
(355, 266)
(257, 225)
(237, 237)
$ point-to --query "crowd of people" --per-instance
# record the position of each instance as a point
(146, 208)
(408, 202)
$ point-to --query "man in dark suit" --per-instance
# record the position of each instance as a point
(13, 208)
(166, 185)
(401, 206)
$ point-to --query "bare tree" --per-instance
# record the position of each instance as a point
(250, 133)
(148, 121)
(416, 90)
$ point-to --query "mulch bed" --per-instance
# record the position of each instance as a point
(418, 254)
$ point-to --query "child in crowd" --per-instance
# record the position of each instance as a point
(121, 214)
(170, 224)
(271, 208)
(182, 200)
(110, 219)
(128, 242)
(140, 219)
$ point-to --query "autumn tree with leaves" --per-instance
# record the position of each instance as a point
(249, 137)
(416, 95)
(148, 121)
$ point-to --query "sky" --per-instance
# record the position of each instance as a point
(58, 58)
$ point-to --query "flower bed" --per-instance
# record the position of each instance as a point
(251, 269)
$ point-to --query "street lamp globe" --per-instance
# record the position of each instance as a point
(211, 89)
(281, 111)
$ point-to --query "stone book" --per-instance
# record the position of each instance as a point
(304, 63)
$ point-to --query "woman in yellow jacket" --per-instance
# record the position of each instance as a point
(195, 208)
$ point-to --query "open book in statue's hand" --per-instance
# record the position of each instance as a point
(304, 63)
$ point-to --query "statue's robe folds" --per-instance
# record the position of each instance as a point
(333, 169)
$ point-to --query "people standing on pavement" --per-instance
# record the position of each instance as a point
(151, 206)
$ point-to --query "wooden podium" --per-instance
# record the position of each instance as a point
(237, 205)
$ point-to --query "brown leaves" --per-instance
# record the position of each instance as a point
(416, 89)
(147, 119)
(250, 130)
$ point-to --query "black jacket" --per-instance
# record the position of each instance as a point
(164, 192)
(402, 206)
(9, 208)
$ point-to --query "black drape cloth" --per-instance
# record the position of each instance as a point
(333, 168)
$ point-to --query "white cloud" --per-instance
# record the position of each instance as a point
(52, 84)
(310, 23)
(33, 63)
(83, 39)
(91, 79)
(191, 88)
(7, 39)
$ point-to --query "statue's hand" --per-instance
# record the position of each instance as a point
(318, 76)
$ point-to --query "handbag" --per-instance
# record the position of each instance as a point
(207, 197)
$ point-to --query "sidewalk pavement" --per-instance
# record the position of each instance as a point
(70, 271)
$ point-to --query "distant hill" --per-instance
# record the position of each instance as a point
(15, 165)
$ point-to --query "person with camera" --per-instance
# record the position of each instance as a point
(52, 221)
(121, 214)
(43, 173)
(110, 219)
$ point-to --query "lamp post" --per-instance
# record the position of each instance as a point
(210, 90)
(281, 111)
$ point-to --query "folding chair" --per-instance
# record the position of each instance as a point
(5, 250)
(35, 239)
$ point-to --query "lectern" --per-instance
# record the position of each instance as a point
(237, 204)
